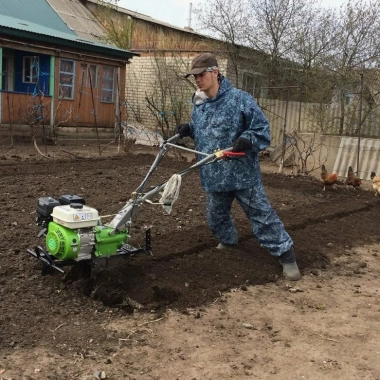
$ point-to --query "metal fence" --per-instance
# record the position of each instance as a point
(290, 116)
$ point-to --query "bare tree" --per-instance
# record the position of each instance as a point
(168, 99)
(357, 48)
(270, 27)
(225, 19)
(119, 30)
(321, 51)
(307, 154)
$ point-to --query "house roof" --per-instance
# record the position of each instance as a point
(34, 27)
(36, 11)
(141, 16)
(14, 27)
(78, 19)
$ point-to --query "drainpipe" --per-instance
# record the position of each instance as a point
(117, 124)
(52, 92)
(1, 85)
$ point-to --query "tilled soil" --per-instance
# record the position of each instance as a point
(185, 271)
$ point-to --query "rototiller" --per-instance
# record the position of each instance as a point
(75, 233)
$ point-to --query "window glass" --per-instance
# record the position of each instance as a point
(254, 84)
(89, 73)
(30, 69)
(7, 79)
(66, 78)
(108, 83)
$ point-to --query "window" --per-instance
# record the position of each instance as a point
(339, 95)
(89, 73)
(66, 78)
(253, 84)
(108, 79)
(349, 98)
(7, 74)
(30, 69)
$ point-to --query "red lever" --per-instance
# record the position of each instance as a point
(233, 154)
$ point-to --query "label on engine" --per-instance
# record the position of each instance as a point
(80, 216)
(75, 218)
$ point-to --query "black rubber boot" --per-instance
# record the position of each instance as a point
(289, 265)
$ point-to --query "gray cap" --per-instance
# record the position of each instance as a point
(201, 63)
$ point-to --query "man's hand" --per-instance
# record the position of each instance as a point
(183, 130)
(241, 145)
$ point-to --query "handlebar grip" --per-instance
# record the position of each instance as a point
(233, 154)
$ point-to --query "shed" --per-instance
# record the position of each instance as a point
(54, 75)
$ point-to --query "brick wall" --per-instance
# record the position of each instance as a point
(161, 81)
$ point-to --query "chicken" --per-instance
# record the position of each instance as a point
(328, 179)
(352, 179)
(375, 183)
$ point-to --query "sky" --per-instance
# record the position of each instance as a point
(176, 12)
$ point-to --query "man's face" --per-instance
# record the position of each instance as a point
(207, 80)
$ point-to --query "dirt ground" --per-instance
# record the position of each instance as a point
(205, 313)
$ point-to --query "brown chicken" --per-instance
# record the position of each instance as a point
(352, 179)
(375, 183)
(328, 179)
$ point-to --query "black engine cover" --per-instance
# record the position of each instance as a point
(45, 206)
(67, 199)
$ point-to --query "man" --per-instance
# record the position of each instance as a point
(224, 116)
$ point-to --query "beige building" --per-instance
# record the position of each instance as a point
(157, 95)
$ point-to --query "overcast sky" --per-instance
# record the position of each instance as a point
(176, 12)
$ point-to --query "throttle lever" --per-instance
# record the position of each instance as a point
(233, 154)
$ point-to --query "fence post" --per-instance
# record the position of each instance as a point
(284, 133)
(360, 122)
(300, 112)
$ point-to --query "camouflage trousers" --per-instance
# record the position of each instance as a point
(265, 223)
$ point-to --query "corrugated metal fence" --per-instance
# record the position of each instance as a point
(347, 154)
(319, 118)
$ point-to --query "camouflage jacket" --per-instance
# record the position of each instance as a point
(216, 123)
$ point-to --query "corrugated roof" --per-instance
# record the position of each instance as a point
(22, 29)
(36, 11)
(148, 18)
(78, 19)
